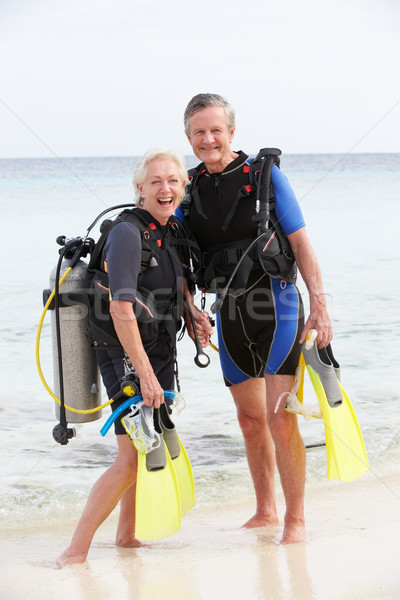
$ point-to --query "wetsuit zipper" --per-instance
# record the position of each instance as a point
(216, 187)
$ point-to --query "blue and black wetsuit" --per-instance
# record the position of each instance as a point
(259, 329)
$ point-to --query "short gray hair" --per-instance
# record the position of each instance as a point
(205, 101)
(140, 172)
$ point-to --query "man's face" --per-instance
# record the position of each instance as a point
(210, 137)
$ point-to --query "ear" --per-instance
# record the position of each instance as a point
(188, 137)
(140, 188)
(231, 134)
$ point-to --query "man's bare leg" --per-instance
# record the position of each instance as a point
(290, 457)
(103, 498)
(250, 400)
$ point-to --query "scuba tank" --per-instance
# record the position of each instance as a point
(76, 375)
(81, 378)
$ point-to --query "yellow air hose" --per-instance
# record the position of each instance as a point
(39, 368)
(214, 347)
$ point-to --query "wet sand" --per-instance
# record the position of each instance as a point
(351, 553)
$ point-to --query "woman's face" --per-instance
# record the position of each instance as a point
(211, 139)
(162, 190)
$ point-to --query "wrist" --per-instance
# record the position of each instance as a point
(318, 301)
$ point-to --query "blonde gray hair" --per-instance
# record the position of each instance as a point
(140, 172)
(205, 101)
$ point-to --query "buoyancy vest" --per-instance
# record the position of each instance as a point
(255, 201)
(151, 312)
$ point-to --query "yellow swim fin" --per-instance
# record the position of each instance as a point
(180, 461)
(158, 508)
(346, 454)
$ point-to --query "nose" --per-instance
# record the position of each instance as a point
(165, 186)
(208, 137)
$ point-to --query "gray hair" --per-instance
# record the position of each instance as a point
(205, 101)
(140, 172)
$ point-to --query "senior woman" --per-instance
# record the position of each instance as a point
(159, 180)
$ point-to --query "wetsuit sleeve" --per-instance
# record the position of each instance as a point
(123, 253)
(179, 213)
(287, 208)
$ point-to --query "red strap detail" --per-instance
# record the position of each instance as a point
(269, 241)
(246, 169)
(159, 242)
(248, 188)
(153, 226)
(203, 171)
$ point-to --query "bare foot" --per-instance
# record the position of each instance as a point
(129, 543)
(294, 533)
(261, 521)
(66, 559)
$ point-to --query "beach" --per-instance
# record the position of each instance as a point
(351, 553)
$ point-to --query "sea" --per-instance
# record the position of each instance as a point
(352, 211)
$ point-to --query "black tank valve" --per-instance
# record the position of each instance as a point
(62, 434)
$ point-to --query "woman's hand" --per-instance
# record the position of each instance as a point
(152, 392)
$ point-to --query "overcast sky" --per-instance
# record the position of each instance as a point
(113, 77)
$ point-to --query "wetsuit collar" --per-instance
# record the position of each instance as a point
(238, 162)
(150, 219)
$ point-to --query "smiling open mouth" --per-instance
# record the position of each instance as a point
(165, 201)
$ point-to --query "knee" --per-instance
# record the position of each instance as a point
(129, 473)
(251, 424)
(127, 464)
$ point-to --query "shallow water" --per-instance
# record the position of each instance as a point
(351, 209)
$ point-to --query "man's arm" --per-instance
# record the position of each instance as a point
(309, 269)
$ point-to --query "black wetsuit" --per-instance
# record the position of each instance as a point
(121, 259)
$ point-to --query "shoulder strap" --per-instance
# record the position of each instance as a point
(186, 247)
(149, 240)
(259, 170)
(260, 181)
(191, 190)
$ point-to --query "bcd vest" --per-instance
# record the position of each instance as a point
(151, 313)
(272, 252)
